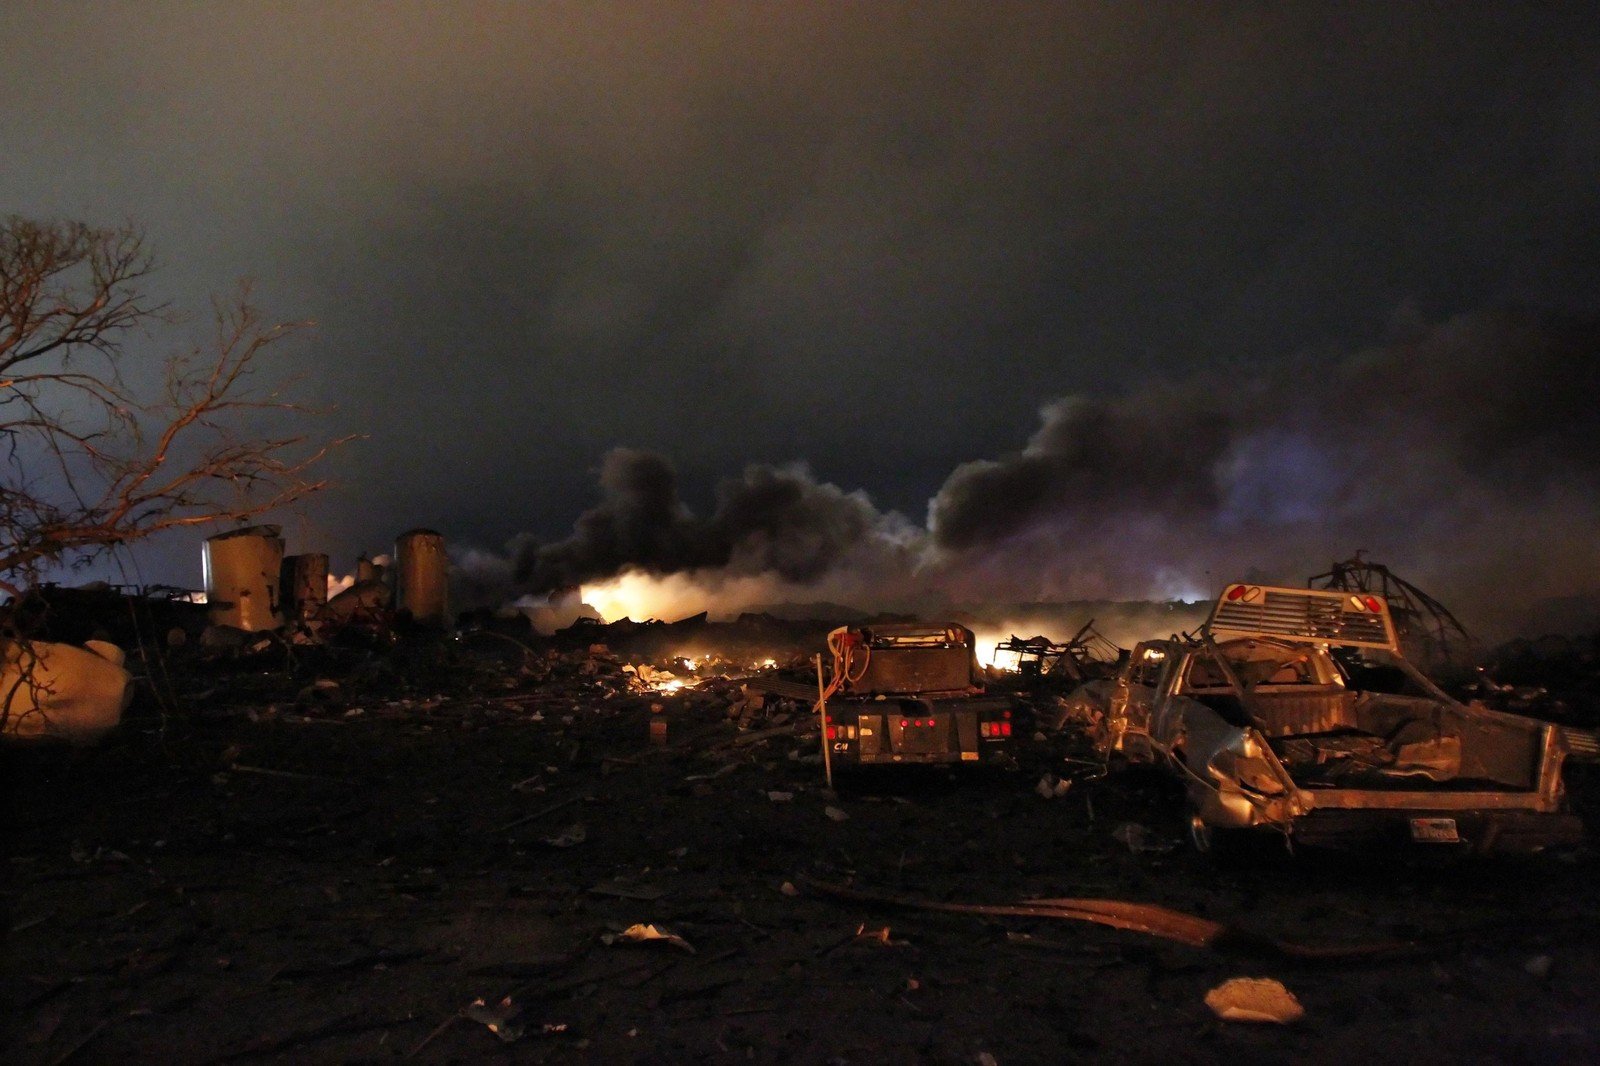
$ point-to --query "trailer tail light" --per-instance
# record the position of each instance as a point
(833, 732)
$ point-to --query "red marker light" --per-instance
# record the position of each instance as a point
(1374, 604)
(1235, 592)
(904, 723)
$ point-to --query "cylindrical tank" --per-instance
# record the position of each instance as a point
(422, 576)
(242, 568)
(305, 583)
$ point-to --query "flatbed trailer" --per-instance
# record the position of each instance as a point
(904, 694)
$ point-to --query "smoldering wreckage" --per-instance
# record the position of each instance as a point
(350, 827)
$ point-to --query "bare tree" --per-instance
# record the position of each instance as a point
(91, 456)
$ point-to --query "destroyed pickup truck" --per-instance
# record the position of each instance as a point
(1293, 712)
(905, 693)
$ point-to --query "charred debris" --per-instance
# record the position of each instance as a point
(272, 634)
(373, 833)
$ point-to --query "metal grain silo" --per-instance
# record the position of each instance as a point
(242, 568)
(305, 583)
(422, 577)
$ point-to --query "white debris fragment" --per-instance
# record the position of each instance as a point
(1254, 999)
(503, 1019)
(1052, 787)
(576, 833)
(644, 934)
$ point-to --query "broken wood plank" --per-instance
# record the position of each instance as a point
(525, 819)
(292, 775)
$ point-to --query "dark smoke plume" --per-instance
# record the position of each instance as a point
(1466, 455)
(769, 521)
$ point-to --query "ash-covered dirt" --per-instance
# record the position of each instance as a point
(337, 875)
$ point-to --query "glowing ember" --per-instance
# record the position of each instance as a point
(651, 679)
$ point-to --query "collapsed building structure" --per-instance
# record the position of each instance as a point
(62, 672)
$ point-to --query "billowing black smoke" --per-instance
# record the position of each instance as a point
(1152, 456)
(1466, 455)
(769, 521)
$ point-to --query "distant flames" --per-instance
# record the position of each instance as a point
(689, 670)
(984, 643)
(641, 596)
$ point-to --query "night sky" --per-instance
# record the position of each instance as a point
(1018, 301)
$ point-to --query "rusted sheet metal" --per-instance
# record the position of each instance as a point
(1147, 918)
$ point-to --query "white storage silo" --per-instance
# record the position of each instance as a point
(242, 569)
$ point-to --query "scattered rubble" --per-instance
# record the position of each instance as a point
(346, 837)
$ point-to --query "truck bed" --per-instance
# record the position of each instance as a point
(1333, 737)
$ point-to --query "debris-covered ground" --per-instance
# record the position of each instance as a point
(476, 852)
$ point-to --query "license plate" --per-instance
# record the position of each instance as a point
(1435, 831)
(969, 756)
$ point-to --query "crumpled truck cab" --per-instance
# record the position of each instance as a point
(1294, 712)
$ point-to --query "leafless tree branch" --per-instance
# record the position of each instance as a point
(88, 461)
